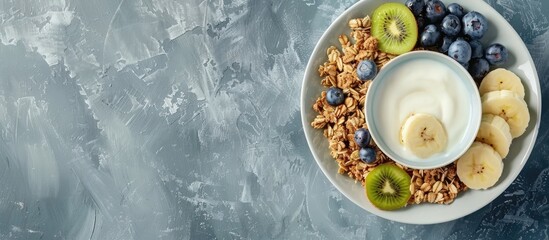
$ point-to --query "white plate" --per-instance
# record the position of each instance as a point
(520, 62)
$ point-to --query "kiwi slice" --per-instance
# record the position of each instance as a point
(395, 28)
(388, 187)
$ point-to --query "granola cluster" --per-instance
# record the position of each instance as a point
(339, 123)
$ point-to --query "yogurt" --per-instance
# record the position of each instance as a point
(421, 86)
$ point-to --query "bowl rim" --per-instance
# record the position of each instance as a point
(474, 119)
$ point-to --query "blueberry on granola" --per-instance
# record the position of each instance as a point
(335, 96)
(366, 70)
(362, 137)
(367, 155)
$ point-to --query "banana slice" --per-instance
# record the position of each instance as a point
(423, 135)
(501, 79)
(480, 167)
(510, 107)
(495, 132)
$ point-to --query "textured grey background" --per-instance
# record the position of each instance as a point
(165, 119)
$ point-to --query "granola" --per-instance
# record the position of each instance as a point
(339, 123)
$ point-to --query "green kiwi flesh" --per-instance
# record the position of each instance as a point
(388, 187)
(395, 28)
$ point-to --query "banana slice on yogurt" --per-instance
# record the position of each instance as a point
(423, 135)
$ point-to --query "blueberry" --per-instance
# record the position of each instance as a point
(416, 6)
(456, 9)
(446, 42)
(367, 155)
(478, 68)
(451, 26)
(476, 49)
(435, 11)
(362, 137)
(335, 96)
(474, 25)
(496, 54)
(421, 23)
(366, 70)
(465, 65)
(460, 51)
(430, 36)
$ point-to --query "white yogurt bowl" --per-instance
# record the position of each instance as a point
(423, 82)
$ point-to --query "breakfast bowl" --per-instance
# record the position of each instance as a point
(423, 82)
(466, 202)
